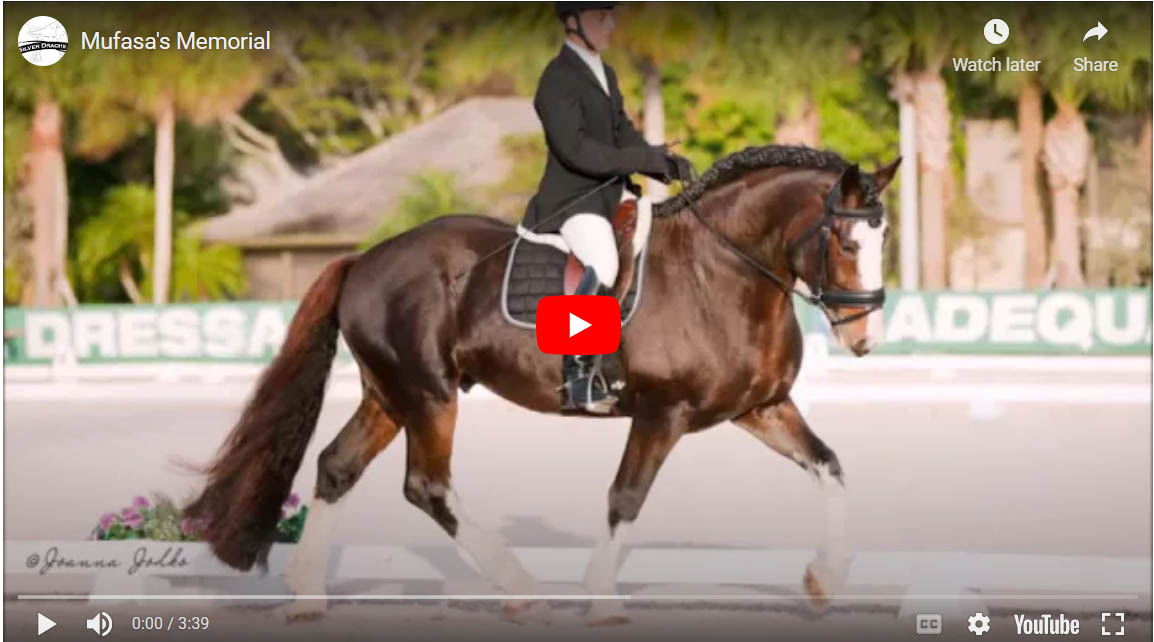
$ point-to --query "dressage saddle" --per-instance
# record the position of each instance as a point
(541, 265)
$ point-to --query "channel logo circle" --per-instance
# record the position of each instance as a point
(42, 41)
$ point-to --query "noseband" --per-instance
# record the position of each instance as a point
(824, 299)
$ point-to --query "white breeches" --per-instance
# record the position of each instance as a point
(590, 238)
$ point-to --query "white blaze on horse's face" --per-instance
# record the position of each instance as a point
(871, 239)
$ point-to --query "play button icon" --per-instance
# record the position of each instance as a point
(578, 324)
(43, 623)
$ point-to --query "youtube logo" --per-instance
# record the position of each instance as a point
(578, 325)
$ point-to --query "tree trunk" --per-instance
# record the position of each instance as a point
(933, 134)
(1146, 149)
(653, 123)
(49, 194)
(124, 272)
(1030, 122)
(800, 126)
(909, 235)
(163, 170)
(1066, 152)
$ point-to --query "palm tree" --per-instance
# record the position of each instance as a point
(915, 40)
(653, 35)
(1067, 147)
(1025, 42)
(202, 86)
(789, 55)
(476, 56)
(48, 93)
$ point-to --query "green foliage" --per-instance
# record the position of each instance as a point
(116, 245)
(13, 286)
(343, 77)
(204, 272)
(157, 520)
(120, 235)
(289, 529)
(432, 194)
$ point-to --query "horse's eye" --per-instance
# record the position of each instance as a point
(875, 222)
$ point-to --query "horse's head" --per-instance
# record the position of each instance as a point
(837, 253)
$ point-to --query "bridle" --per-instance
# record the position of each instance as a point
(824, 299)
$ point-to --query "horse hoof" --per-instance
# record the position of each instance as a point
(527, 611)
(303, 611)
(604, 614)
(611, 620)
(815, 589)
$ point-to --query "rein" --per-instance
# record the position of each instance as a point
(823, 299)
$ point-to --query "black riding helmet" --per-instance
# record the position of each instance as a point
(566, 9)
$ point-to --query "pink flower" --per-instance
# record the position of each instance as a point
(293, 500)
(140, 501)
(191, 527)
(132, 518)
(107, 520)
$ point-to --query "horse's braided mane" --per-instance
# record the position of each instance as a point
(747, 160)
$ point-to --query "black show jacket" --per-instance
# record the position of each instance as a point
(590, 140)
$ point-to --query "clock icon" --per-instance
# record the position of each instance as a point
(996, 31)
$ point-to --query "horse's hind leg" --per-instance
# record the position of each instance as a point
(339, 466)
(428, 486)
(781, 427)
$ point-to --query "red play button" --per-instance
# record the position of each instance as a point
(578, 325)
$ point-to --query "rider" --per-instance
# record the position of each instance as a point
(590, 141)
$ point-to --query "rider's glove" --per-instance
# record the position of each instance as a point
(677, 167)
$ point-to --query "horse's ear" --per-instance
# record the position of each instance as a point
(851, 183)
(885, 175)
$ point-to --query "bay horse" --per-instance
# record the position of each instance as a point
(715, 339)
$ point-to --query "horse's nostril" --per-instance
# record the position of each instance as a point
(862, 346)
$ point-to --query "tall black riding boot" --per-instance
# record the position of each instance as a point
(584, 387)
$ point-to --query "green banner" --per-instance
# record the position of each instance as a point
(212, 332)
(1048, 322)
(1051, 322)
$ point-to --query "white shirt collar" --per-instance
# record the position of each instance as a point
(593, 60)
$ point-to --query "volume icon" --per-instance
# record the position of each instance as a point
(101, 624)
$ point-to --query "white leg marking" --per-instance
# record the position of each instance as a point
(870, 242)
(601, 575)
(836, 538)
(496, 562)
(308, 568)
(831, 566)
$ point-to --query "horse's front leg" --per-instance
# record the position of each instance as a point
(649, 443)
(781, 427)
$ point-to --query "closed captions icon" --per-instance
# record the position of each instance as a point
(996, 31)
(928, 624)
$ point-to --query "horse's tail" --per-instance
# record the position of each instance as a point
(252, 473)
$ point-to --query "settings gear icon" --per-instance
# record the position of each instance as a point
(979, 623)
